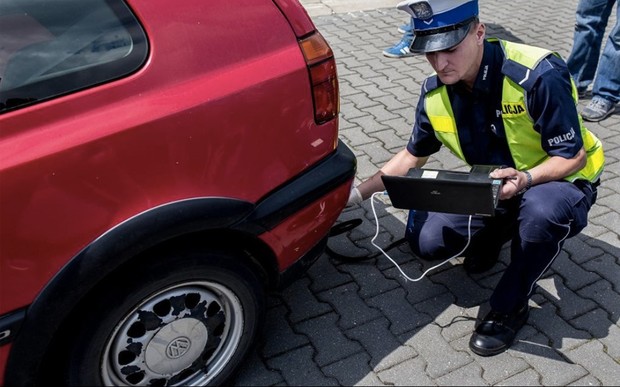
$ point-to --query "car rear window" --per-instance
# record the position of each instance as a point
(50, 48)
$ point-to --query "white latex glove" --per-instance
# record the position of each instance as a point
(355, 197)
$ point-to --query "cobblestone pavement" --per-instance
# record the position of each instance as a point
(361, 323)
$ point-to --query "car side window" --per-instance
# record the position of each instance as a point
(51, 48)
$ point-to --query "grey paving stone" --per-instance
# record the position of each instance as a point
(569, 303)
(393, 75)
(529, 335)
(401, 255)
(370, 280)
(529, 377)
(605, 295)
(325, 275)
(384, 348)
(424, 290)
(302, 303)
(362, 100)
(409, 373)
(352, 371)
(599, 364)
(467, 291)
(607, 267)
(357, 136)
(348, 111)
(347, 96)
(369, 125)
(355, 80)
(388, 138)
(469, 375)
(352, 251)
(326, 337)
(254, 372)
(352, 310)
(494, 369)
(402, 316)
(600, 327)
(455, 322)
(391, 101)
(611, 340)
(369, 72)
(279, 337)
(573, 274)
(595, 230)
(610, 242)
(611, 219)
(588, 380)
(298, 368)
(377, 154)
(441, 358)
(554, 368)
(580, 252)
(380, 112)
(563, 335)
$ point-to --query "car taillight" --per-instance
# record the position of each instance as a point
(323, 77)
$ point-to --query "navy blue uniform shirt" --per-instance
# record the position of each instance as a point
(478, 113)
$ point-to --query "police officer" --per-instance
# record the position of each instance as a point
(495, 102)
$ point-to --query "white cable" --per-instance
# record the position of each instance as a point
(372, 203)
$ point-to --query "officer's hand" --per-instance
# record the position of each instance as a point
(511, 179)
(355, 197)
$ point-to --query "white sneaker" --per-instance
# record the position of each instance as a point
(598, 109)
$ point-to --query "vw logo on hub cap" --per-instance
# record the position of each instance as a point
(178, 347)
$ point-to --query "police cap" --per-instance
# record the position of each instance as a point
(439, 24)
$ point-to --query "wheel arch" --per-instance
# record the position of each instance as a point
(192, 222)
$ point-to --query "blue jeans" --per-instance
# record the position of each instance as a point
(583, 62)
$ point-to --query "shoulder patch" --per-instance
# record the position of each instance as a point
(431, 83)
(524, 76)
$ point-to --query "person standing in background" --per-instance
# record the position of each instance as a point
(584, 64)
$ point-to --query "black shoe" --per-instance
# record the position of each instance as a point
(497, 332)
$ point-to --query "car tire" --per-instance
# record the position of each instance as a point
(181, 319)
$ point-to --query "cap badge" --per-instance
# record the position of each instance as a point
(422, 10)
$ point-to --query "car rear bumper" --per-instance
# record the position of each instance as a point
(325, 177)
(294, 220)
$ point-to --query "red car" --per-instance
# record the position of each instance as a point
(162, 166)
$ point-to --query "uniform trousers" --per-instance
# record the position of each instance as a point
(537, 223)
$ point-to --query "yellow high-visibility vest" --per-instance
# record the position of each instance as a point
(523, 141)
